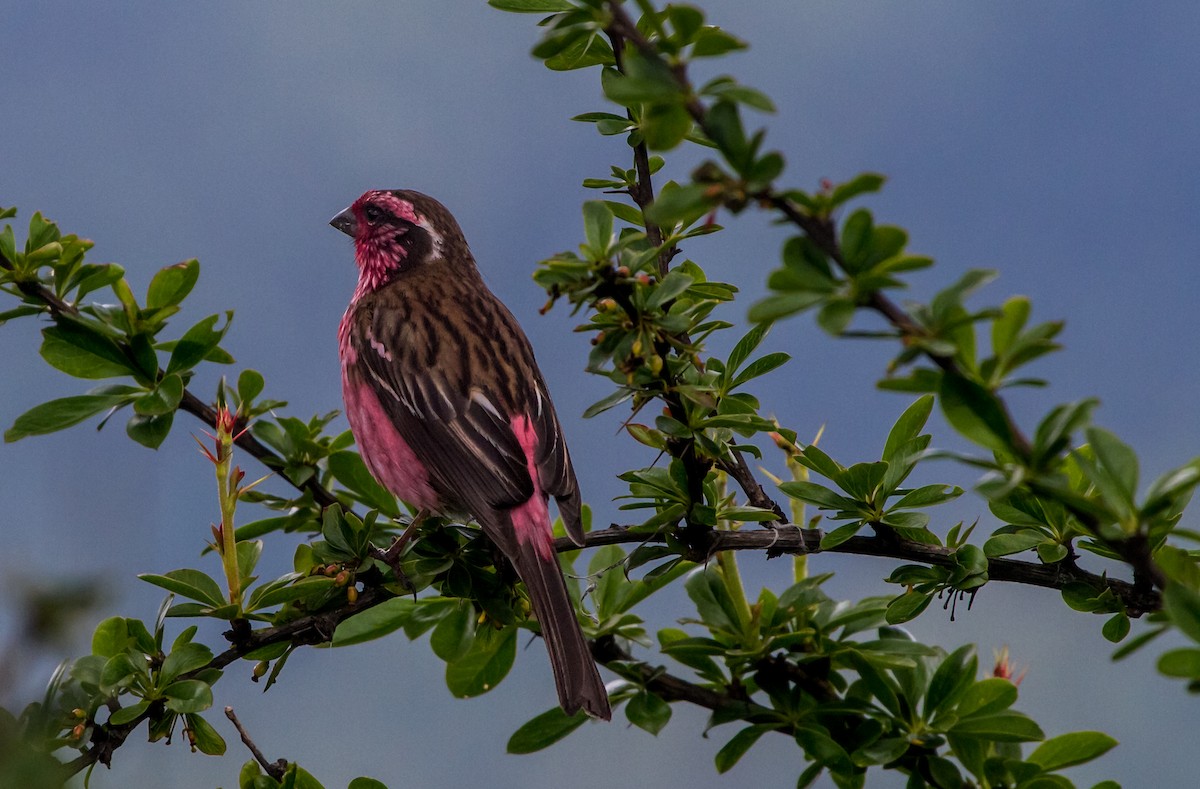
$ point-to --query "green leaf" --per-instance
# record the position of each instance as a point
(679, 204)
(206, 738)
(600, 406)
(907, 427)
(1183, 663)
(835, 316)
(648, 712)
(532, 6)
(149, 431)
(311, 587)
(1006, 544)
(130, 713)
(732, 751)
(630, 91)
(375, 622)
(250, 385)
(172, 284)
(59, 414)
(745, 346)
(598, 226)
(864, 183)
(1007, 326)
(118, 672)
(82, 353)
(927, 496)
(953, 676)
(1183, 607)
(1005, 726)
(197, 342)
(544, 730)
(820, 495)
(713, 42)
(485, 664)
(840, 535)
(672, 286)
(192, 584)
(976, 413)
(348, 468)
(760, 367)
(664, 126)
(366, 783)
(188, 695)
(1068, 750)
(707, 590)
(784, 304)
(163, 399)
(907, 607)
(1119, 460)
(111, 637)
(453, 635)
(188, 657)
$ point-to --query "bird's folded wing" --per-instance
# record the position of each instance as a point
(466, 443)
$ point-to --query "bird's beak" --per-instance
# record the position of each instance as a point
(346, 223)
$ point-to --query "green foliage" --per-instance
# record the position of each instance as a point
(853, 691)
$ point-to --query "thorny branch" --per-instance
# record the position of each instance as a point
(821, 230)
(786, 538)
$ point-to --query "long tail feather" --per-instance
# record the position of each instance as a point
(575, 675)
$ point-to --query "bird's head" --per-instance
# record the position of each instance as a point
(398, 230)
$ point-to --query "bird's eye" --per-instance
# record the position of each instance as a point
(373, 213)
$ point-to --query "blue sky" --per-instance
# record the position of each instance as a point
(1055, 143)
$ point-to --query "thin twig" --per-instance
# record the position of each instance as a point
(274, 769)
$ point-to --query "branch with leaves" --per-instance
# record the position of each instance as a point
(852, 690)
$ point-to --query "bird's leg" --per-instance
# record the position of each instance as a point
(391, 557)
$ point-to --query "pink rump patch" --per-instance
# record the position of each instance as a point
(531, 520)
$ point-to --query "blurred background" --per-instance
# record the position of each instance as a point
(1057, 144)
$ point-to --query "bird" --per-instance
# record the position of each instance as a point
(451, 413)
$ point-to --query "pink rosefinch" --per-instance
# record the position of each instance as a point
(450, 411)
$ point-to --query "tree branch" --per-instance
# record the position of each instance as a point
(821, 230)
(274, 769)
(790, 539)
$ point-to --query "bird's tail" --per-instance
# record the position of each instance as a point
(575, 675)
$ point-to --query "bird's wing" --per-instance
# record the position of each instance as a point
(455, 389)
(456, 429)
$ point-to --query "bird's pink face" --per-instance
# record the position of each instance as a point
(390, 235)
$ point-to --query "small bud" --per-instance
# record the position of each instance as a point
(622, 271)
(636, 348)
(656, 363)
(78, 730)
(341, 579)
(78, 712)
(260, 670)
(605, 305)
(782, 443)
(643, 278)
(351, 594)
(330, 570)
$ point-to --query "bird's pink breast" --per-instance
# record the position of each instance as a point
(388, 457)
